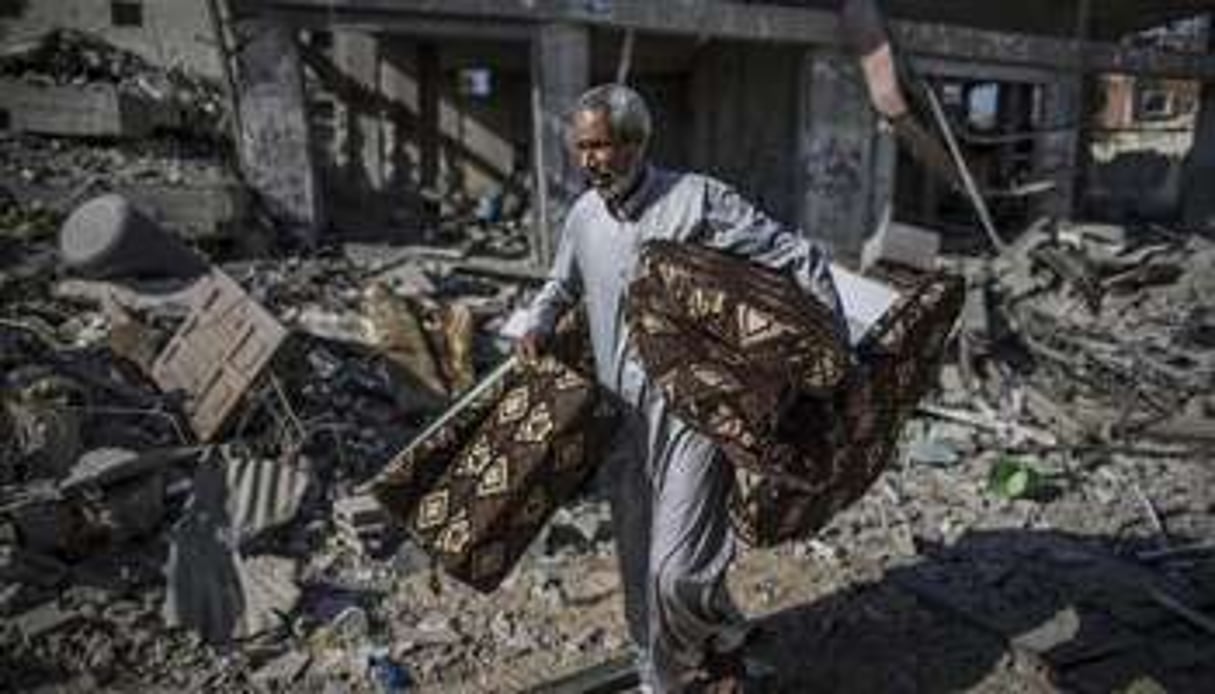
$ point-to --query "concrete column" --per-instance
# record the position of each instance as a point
(1198, 193)
(402, 158)
(1057, 149)
(427, 60)
(360, 137)
(275, 147)
(847, 161)
(744, 119)
(561, 71)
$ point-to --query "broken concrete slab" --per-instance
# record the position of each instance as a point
(102, 467)
(90, 110)
(45, 619)
(275, 139)
(903, 245)
(218, 352)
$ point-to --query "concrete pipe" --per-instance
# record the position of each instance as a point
(108, 238)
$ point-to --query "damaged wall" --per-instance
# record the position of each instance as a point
(373, 134)
(1142, 134)
(846, 163)
(164, 32)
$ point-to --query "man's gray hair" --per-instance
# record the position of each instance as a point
(627, 113)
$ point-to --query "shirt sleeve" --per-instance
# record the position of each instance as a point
(562, 288)
(736, 226)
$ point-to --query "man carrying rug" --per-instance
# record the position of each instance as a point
(668, 483)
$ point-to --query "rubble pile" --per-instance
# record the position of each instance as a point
(241, 524)
(86, 118)
(32, 162)
(141, 548)
(67, 57)
(1095, 335)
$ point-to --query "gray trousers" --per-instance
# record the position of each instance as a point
(669, 487)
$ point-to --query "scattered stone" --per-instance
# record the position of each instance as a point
(361, 522)
(283, 670)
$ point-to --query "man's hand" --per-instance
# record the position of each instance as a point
(532, 345)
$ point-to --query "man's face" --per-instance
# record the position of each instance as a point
(607, 162)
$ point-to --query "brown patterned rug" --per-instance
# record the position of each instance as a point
(748, 359)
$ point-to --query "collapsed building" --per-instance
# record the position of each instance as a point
(371, 187)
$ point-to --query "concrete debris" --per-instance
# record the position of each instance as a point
(929, 451)
(46, 619)
(903, 245)
(40, 412)
(283, 670)
(270, 594)
(66, 57)
(362, 523)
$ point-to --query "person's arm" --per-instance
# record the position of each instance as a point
(736, 226)
(560, 291)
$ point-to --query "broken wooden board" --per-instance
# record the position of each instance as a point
(217, 353)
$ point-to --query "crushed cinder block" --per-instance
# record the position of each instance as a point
(361, 522)
(45, 619)
(88, 110)
(218, 352)
(903, 245)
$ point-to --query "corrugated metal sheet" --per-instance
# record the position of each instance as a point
(210, 586)
(262, 494)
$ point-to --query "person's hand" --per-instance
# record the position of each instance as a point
(531, 345)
